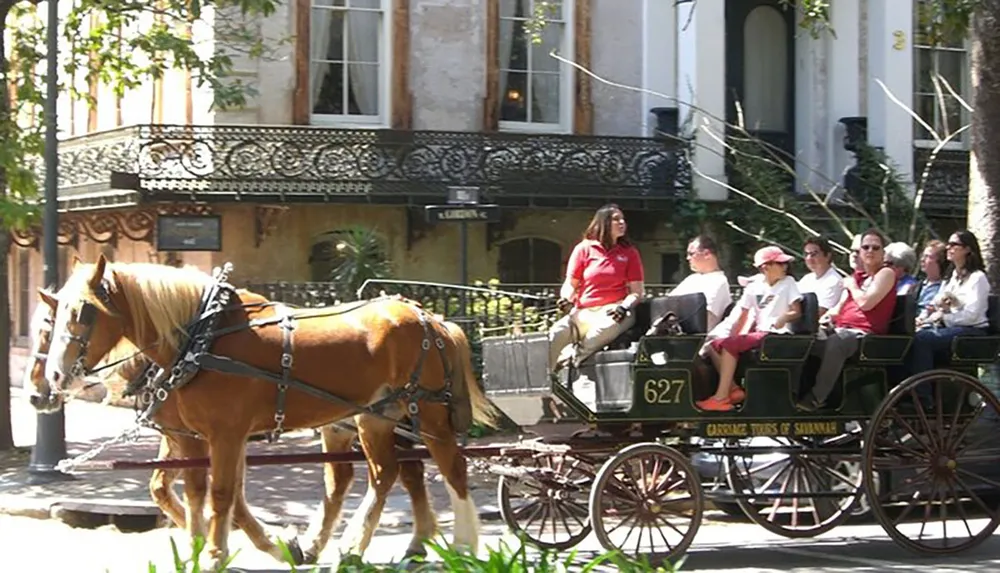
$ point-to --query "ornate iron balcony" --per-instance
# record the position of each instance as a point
(311, 164)
(946, 191)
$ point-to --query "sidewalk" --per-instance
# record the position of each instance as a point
(279, 495)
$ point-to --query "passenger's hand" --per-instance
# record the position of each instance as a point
(564, 305)
(618, 313)
(826, 320)
(780, 322)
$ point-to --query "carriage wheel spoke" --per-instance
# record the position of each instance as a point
(975, 497)
(958, 506)
(911, 431)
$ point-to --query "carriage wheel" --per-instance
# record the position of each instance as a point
(647, 500)
(550, 512)
(935, 451)
(796, 494)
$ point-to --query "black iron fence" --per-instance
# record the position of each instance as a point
(489, 309)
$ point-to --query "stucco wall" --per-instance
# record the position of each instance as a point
(616, 53)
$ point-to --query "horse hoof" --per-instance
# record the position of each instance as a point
(411, 553)
(298, 557)
(309, 558)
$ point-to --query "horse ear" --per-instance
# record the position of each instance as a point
(48, 298)
(98, 276)
(76, 261)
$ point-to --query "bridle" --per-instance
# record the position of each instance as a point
(87, 319)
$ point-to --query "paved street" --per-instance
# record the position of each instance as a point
(719, 547)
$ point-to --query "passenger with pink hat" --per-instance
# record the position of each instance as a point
(774, 302)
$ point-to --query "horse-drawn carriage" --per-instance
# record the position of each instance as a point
(622, 466)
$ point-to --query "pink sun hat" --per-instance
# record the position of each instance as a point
(770, 255)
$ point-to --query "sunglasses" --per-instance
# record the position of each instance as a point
(954, 244)
(871, 247)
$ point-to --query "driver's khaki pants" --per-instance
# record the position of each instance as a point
(595, 327)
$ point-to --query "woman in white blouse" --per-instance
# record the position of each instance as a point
(971, 289)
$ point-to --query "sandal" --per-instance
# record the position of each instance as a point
(713, 404)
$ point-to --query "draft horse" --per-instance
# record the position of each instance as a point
(373, 360)
(178, 442)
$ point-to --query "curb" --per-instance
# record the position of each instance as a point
(69, 510)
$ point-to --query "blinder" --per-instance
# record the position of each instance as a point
(86, 318)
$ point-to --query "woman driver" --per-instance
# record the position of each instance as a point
(604, 280)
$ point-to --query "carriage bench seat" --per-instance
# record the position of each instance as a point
(891, 348)
(980, 349)
(794, 347)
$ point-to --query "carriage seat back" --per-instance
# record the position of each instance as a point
(904, 316)
(993, 314)
(808, 322)
(691, 309)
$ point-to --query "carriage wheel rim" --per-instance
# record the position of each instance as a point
(794, 477)
(931, 437)
(665, 484)
(549, 508)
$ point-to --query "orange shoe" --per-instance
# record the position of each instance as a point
(737, 395)
(713, 404)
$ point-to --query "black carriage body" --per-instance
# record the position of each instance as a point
(656, 380)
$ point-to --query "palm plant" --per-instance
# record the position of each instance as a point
(359, 254)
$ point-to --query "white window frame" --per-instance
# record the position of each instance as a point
(567, 83)
(961, 141)
(385, 76)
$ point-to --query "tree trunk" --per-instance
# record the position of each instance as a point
(984, 167)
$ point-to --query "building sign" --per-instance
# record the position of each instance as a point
(773, 429)
(464, 213)
(189, 233)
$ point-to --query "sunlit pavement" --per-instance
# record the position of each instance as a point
(718, 547)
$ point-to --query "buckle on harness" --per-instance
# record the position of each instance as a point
(286, 360)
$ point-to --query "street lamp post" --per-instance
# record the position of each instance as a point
(50, 432)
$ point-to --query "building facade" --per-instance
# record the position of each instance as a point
(373, 109)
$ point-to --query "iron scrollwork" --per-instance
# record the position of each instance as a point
(947, 184)
(107, 227)
(285, 163)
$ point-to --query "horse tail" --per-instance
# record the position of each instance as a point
(465, 388)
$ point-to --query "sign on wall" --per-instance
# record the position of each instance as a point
(463, 213)
(189, 233)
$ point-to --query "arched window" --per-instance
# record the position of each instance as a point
(530, 261)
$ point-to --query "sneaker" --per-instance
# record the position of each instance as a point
(808, 404)
(713, 404)
(737, 395)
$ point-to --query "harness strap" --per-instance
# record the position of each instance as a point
(287, 328)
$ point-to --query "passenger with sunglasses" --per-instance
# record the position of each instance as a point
(866, 307)
(770, 304)
(970, 289)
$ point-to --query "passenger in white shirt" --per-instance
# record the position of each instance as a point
(823, 279)
(775, 303)
(969, 285)
(706, 278)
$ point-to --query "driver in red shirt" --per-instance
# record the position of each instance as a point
(604, 281)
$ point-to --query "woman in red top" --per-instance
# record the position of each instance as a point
(604, 280)
(866, 307)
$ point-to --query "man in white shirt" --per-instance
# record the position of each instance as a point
(822, 278)
(706, 278)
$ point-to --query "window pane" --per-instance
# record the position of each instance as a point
(551, 9)
(329, 2)
(326, 35)
(950, 66)
(544, 98)
(953, 121)
(924, 106)
(327, 88)
(923, 71)
(515, 99)
(362, 36)
(370, 4)
(364, 84)
(513, 45)
(551, 41)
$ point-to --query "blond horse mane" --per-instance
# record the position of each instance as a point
(158, 296)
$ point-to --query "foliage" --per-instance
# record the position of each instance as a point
(359, 255)
(503, 559)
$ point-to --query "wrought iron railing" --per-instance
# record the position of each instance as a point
(947, 185)
(492, 309)
(288, 163)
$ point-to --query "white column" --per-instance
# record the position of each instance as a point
(701, 82)
(844, 88)
(811, 115)
(659, 58)
(890, 60)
